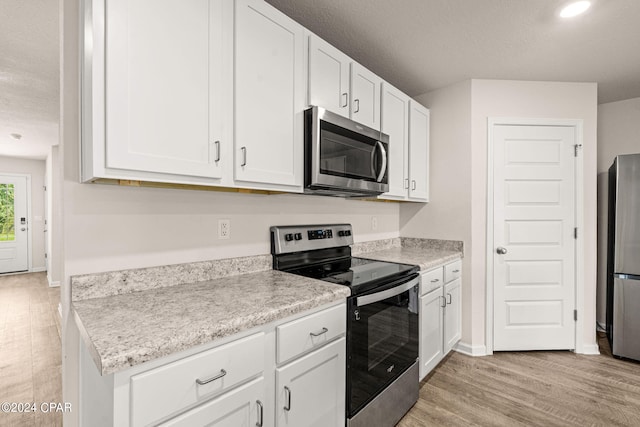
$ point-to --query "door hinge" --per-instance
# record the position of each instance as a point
(576, 147)
(575, 315)
(575, 233)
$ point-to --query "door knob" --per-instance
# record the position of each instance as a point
(501, 250)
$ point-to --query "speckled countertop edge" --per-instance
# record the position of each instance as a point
(426, 253)
(125, 330)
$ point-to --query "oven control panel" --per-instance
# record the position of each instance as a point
(295, 238)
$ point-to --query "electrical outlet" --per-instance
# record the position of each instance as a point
(224, 229)
(374, 223)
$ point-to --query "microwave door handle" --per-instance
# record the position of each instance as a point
(383, 168)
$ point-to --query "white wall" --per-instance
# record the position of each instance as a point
(618, 133)
(35, 168)
(53, 202)
(448, 214)
(498, 98)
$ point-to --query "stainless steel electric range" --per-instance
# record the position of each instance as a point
(382, 318)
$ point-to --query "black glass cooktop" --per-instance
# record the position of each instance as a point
(360, 274)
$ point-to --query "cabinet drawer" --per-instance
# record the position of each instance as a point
(430, 280)
(173, 387)
(312, 331)
(452, 271)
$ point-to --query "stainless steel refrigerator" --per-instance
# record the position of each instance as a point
(623, 257)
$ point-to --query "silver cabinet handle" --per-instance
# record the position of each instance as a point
(413, 184)
(244, 156)
(287, 407)
(317, 334)
(260, 414)
(435, 280)
(346, 99)
(213, 378)
(444, 301)
(22, 229)
(501, 250)
(357, 104)
(217, 143)
(456, 271)
(406, 184)
(449, 298)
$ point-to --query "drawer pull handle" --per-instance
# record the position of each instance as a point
(435, 280)
(317, 334)
(287, 407)
(456, 271)
(260, 414)
(213, 378)
(449, 298)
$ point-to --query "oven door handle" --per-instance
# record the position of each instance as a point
(379, 296)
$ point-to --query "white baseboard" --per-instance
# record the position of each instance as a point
(470, 350)
(590, 349)
(38, 270)
(55, 284)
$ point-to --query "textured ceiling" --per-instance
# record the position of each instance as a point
(417, 45)
(29, 77)
(422, 45)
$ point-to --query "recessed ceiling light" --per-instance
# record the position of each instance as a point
(575, 9)
(16, 136)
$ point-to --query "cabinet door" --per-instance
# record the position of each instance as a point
(431, 331)
(328, 76)
(163, 85)
(418, 152)
(394, 122)
(311, 390)
(365, 96)
(269, 95)
(242, 407)
(452, 319)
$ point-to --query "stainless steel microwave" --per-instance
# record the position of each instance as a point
(342, 157)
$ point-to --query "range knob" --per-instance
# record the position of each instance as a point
(347, 232)
(341, 233)
(288, 237)
(298, 236)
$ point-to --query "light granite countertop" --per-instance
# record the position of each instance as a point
(426, 258)
(128, 329)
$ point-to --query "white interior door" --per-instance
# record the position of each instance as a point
(534, 246)
(14, 255)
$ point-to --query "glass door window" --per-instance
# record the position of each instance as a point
(7, 213)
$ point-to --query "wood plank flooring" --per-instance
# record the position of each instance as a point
(536, 388)
(30, 348)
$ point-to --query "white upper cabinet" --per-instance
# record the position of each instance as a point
(269, 97)
(395, 123)
(329, 85)
(341, 85)
(407, 124)
(418, 152)
(365, 96)
(164, 86)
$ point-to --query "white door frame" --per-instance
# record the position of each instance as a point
(577, 124)
(29, 238)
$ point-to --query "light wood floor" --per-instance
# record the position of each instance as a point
(30, 348)
(538, 388)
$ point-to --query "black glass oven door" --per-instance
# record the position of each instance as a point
(382, 340)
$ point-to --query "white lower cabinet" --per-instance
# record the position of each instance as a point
(440, 314)
(310, 390)
(431, 330)
(242, 407)
(238, 383)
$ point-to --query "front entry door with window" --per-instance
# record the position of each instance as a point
(13, 224)
(533, 236)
